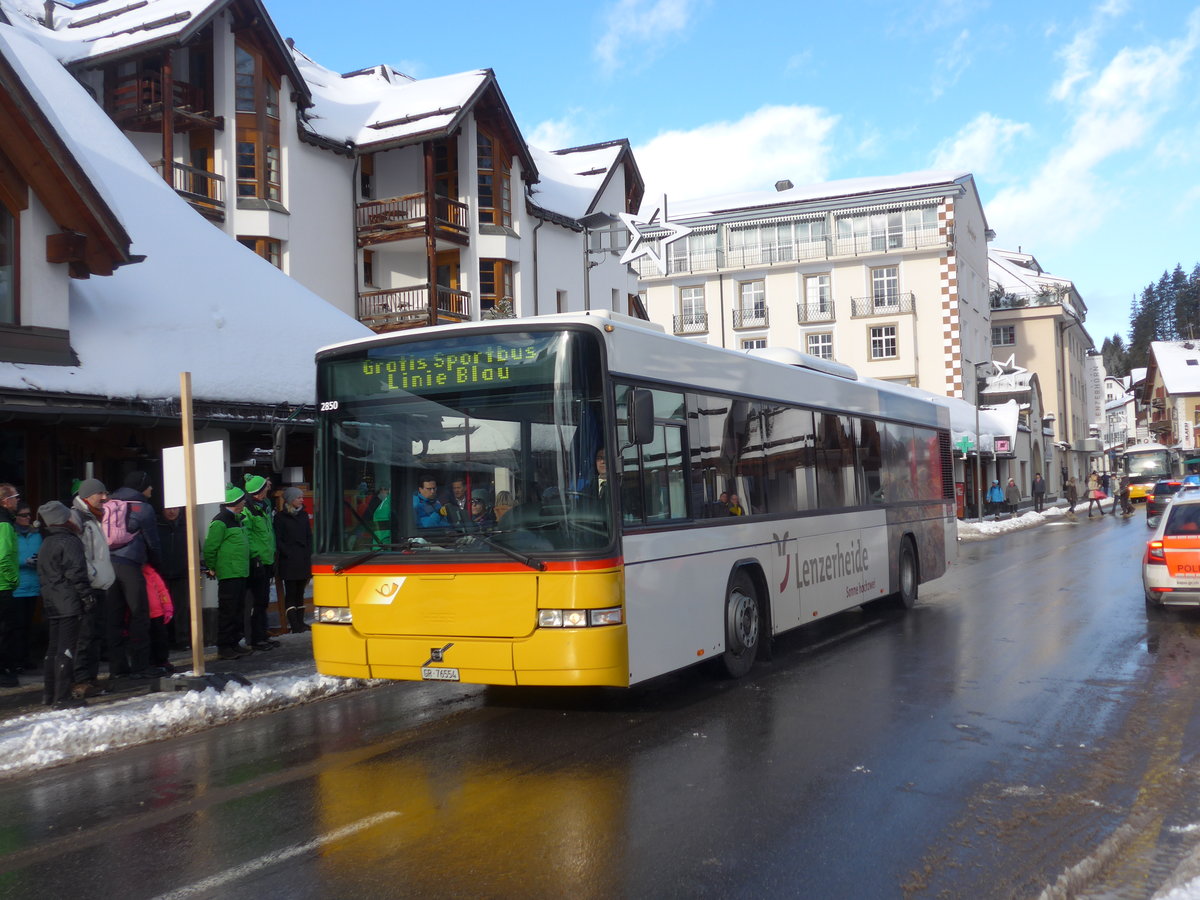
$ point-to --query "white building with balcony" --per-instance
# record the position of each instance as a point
(888, 275)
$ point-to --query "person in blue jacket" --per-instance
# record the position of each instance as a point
(428, 511)
(29, 589)
(995, 497)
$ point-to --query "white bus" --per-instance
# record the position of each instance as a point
(562, 571)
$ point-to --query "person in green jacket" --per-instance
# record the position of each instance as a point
(227, 559)
(11, 656)
(260, 534)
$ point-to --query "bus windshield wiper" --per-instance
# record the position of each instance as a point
(371, 554)
(509, 552)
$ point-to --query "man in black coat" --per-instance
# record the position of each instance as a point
(293, 549)
(66, 595)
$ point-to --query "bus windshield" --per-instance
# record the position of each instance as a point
(480, 444)
(1148, 465)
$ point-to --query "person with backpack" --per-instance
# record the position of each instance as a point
(131, 529)
(227, 559)
(260, 535)
(87, 512)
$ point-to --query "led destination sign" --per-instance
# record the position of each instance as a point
(443, 366)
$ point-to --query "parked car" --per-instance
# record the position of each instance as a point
(1158, 498)
(1171, 564)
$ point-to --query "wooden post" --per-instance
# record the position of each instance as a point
(193, 543)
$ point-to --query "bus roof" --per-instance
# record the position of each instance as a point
(642, 350)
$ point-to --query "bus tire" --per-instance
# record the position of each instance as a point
(906, 577)
(743, 626)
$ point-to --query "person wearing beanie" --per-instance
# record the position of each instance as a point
(293, 539)
(227, 559)
(87, 512)
(260, 534)
(127, 605)
(10, 576)
(66, 594)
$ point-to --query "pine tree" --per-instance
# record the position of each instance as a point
(1115, 356)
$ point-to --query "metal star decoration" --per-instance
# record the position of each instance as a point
(634, 224)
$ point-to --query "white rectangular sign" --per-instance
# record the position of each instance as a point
(210, 474)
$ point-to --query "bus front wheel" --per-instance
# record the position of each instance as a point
(742, 626)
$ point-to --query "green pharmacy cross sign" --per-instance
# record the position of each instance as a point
(964, 444)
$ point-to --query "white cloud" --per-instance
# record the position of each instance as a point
(981, 146)
(769, 144)
(637, 28)
(1077, 55)
(1117, 111)
(951, 64)
(554, 134)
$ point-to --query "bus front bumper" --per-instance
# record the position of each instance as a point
(595, 656)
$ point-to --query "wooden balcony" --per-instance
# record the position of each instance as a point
(204, 190)
(135, 103)
(403, 218)
(408, 307)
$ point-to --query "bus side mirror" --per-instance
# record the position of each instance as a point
(641, 416)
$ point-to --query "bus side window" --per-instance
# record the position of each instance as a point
(870, 462)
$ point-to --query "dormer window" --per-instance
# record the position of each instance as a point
(495, 189)
(256, 89)
(8, 266)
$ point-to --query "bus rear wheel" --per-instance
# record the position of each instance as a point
(906, 575)
(742, 626)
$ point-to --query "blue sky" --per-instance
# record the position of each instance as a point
(1079, 120)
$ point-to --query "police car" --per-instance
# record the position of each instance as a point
(1171, 564)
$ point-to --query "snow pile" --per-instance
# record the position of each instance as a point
(42, 740)
(970, 530)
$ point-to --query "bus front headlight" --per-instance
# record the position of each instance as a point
(332, 615)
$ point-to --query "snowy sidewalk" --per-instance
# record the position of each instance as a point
(33, 737)
(971, 530)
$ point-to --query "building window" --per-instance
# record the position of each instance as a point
(256, 91)
(820, 345)
(268, 248)
(495, 189)
(691, 305)
(369, 268)
(818, 296)
(1004, 335)
(752, 303)
(883, 342)
(885, 287)
(495, 282)
(561, 298)
(8, 266)
(754, 343)
(366, 176)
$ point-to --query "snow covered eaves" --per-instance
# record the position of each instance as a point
(572, 181)
(199, 303)
(377, 108)
(1022, 276)
(829, 196)
(1178, 365)
(91, 34)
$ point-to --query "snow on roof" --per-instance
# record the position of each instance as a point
(1178, 365)
(1020, 273)
(847, 188)
(200, 302)
(110, 26)
(571, 179)
(379, 105)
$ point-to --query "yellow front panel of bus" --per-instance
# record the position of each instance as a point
(482, 625)
(477, 605)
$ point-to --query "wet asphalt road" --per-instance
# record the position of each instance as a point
(1024, 720)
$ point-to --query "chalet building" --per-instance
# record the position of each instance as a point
(402, 202)
(888, 275)
(1170, 394)
(1038, 322)
(111, 286)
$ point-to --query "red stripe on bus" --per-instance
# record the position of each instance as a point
(472, 568)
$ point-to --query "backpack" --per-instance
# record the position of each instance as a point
(116, 522)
